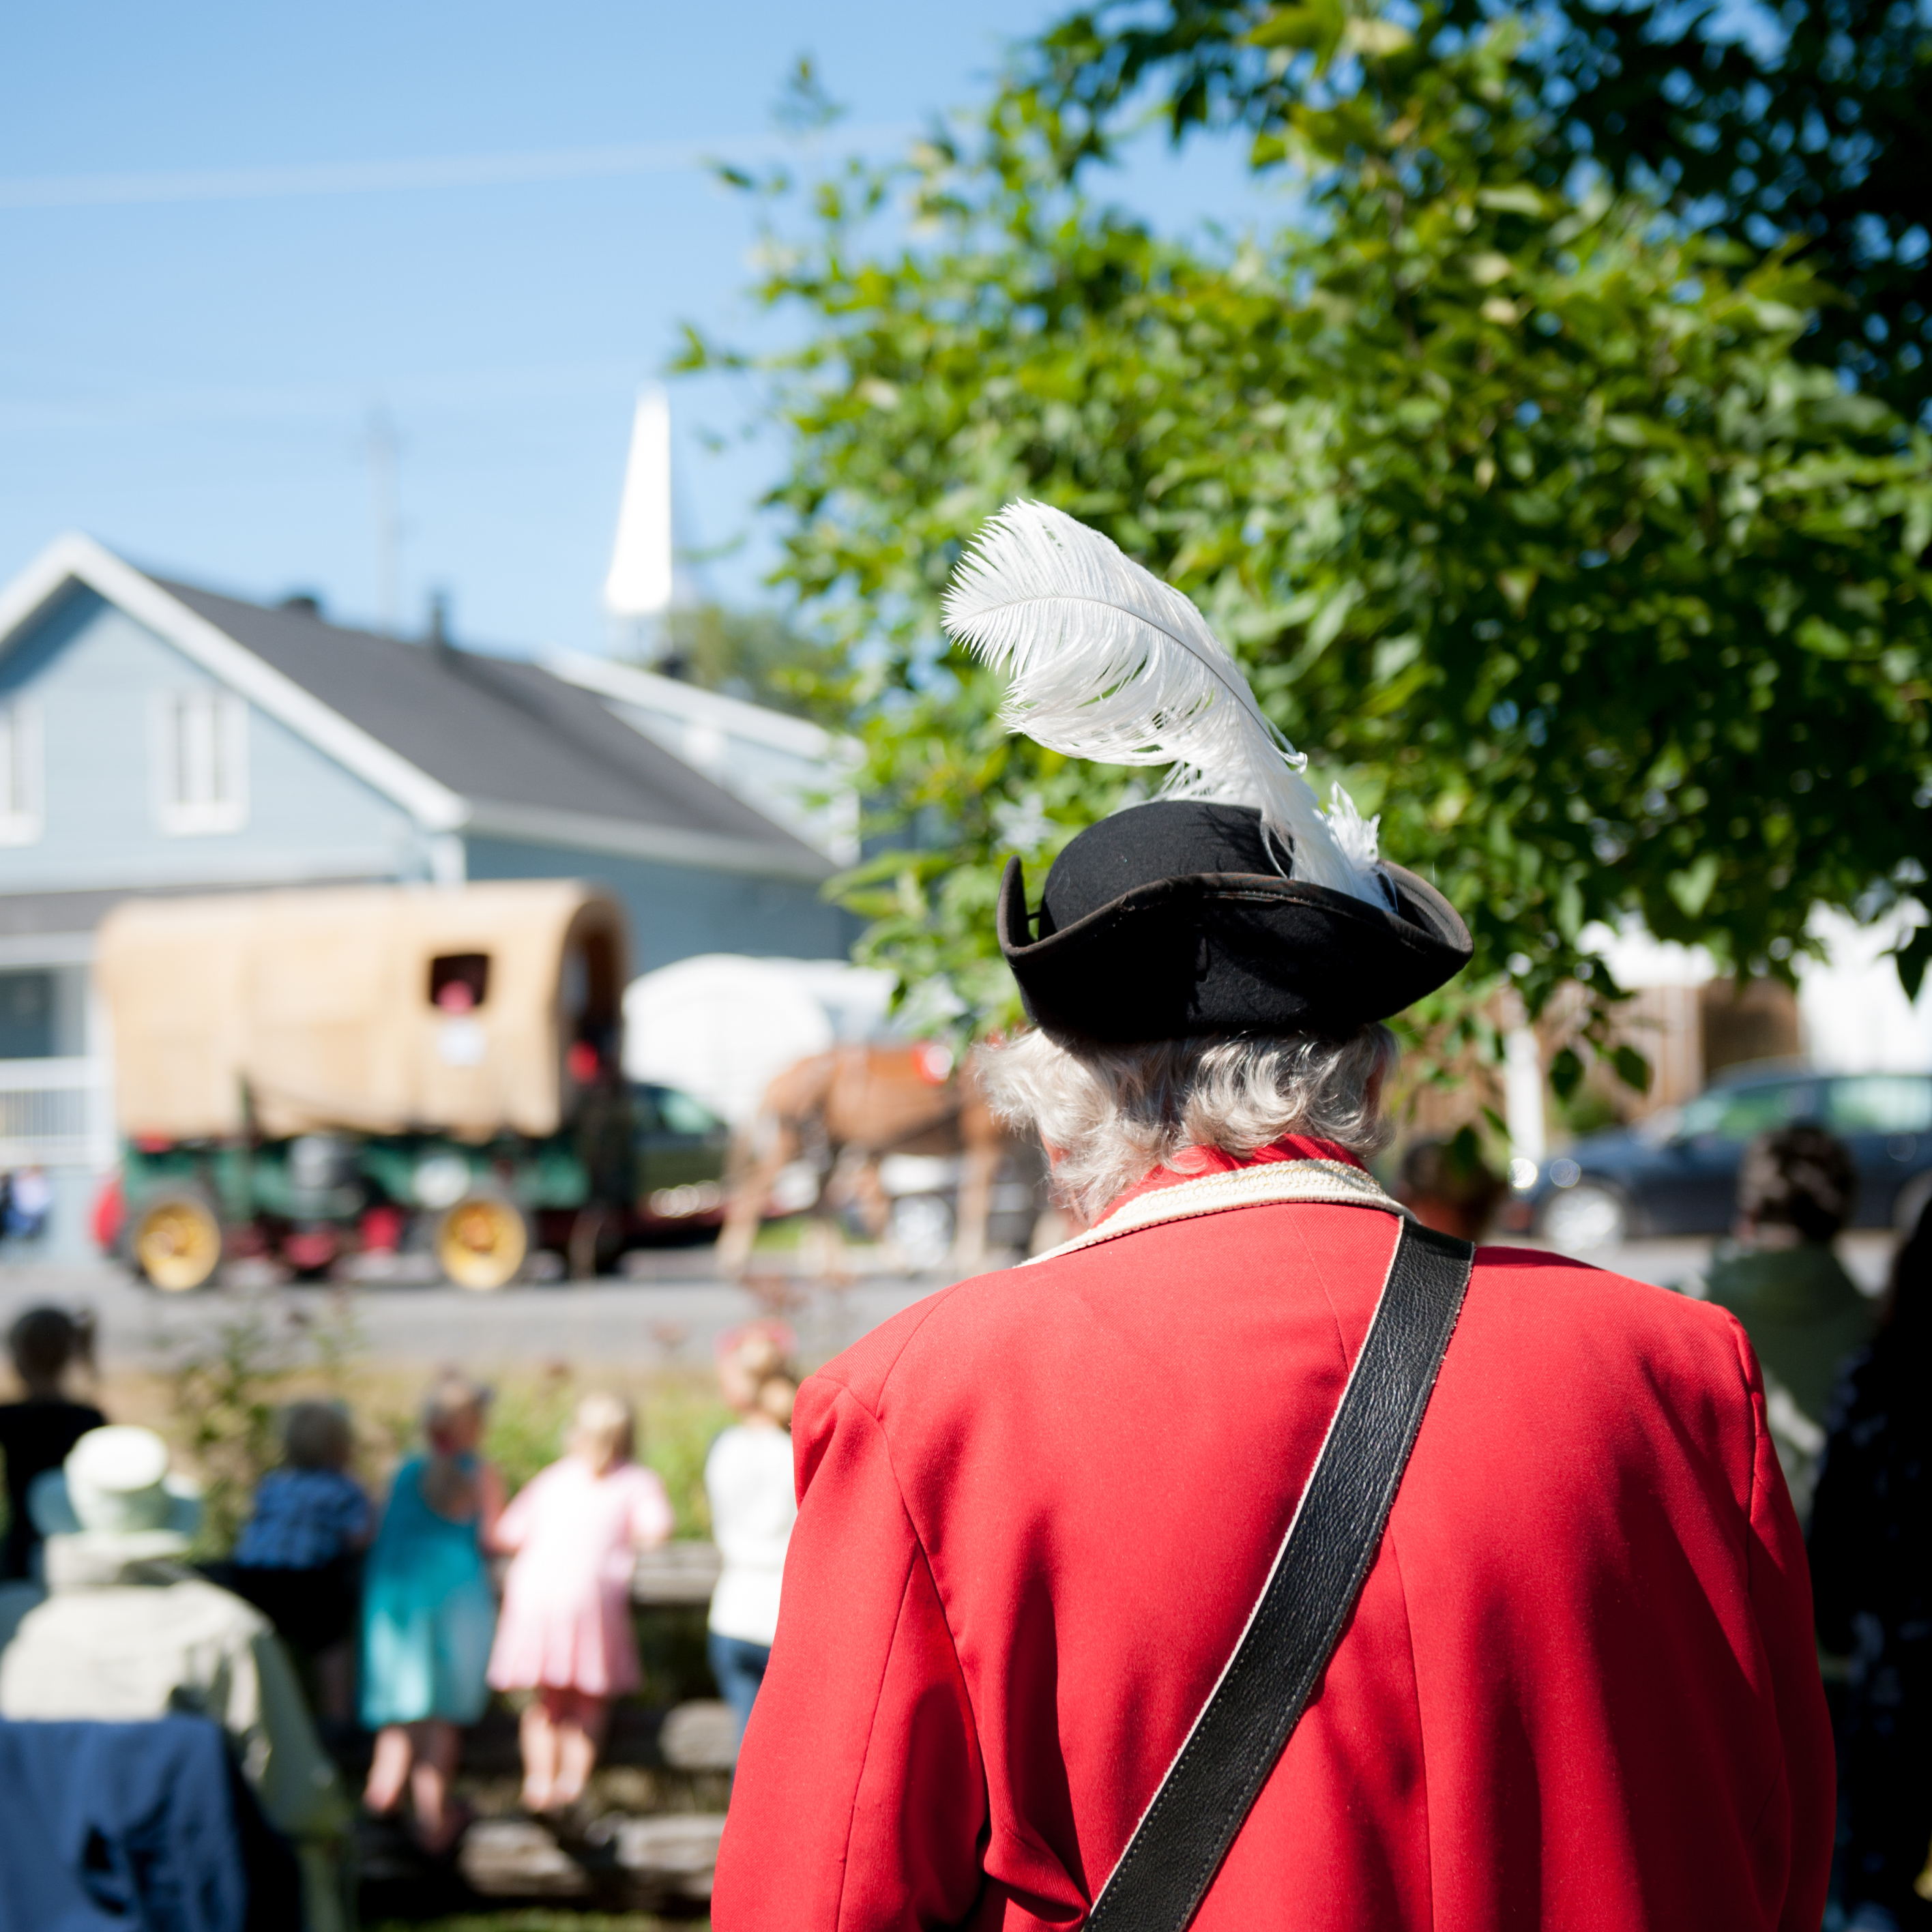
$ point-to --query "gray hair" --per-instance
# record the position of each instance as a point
(1116, 1113)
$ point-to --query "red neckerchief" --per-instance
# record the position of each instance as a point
(1200, 1160)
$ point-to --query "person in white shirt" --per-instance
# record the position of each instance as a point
(748, 1477)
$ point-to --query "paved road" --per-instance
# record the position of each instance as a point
(669, 1319)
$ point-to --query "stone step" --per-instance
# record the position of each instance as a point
(640, 1862)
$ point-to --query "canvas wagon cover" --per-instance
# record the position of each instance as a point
(319, 1002)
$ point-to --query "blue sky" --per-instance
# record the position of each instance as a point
(231, 233)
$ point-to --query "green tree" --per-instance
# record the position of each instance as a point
(1525, 517)
(755, 655)
(1804, 119)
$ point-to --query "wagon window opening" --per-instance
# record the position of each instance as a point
(459, 982)
(590, 996)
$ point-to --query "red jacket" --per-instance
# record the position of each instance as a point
(1579, 1690)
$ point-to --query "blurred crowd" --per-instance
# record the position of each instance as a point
(26, 1199)
(331, 1614)
(335, 1612)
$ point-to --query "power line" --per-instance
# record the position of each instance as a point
(448, 171)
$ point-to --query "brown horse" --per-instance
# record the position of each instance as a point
(852, 1107)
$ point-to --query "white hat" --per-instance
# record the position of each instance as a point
(116, 1482)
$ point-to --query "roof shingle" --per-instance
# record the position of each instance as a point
(489, 728)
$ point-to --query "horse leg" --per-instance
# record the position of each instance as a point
(983, 1144)
(869, 1196)
(771, 1146)
(975, 1207)
(844, 1185)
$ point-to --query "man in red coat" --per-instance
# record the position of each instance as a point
(1578, 1686)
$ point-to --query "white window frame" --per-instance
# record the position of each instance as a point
(200, 761)
(23, 802)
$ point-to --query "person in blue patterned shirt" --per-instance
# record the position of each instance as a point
(298, 1558)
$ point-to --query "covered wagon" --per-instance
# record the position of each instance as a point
(307, 1075)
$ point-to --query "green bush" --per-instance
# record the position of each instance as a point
(227, 1390)
(228, 1386)
(677, 1421)
(682, 1422)
(527, 1422)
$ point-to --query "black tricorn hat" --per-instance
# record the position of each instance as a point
(1173, 919)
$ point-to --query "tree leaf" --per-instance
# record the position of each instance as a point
(1911, 959)
(1631, 1068)
(1691, 887)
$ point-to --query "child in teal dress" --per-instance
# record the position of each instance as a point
(429, 1615)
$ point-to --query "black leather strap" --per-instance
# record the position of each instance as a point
(1337, 1527)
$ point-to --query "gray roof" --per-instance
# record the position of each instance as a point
(489, 727)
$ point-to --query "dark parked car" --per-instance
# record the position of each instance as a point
(683, 1150)
(1676, 1172)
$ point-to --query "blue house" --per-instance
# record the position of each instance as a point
(158, 738)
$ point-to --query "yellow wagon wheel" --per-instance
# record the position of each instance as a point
(481, 1242)
(177, 1242)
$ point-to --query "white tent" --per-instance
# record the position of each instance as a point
(722, 1026)
(1856, 1016)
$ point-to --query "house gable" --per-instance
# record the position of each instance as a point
(97, 685)
(532, 755)
(460, 741)
(78, 559)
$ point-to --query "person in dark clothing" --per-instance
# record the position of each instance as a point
(1446, 1186)
(1782, 1278)
(299, 1559)
(37, 1431)
(1871, 1582)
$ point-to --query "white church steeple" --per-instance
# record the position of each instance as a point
(637, 590)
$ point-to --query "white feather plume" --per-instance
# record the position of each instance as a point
(1105, 661)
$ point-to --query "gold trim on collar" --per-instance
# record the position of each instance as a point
(1331, 1183)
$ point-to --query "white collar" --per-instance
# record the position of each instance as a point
(1338, 1183)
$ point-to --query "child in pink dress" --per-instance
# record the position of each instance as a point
(565, 1632)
